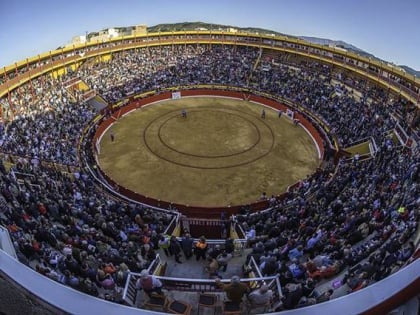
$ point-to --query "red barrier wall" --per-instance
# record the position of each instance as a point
(193, 211)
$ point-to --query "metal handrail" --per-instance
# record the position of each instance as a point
(172, 225)
(253, 264)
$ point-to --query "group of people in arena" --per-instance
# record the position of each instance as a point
(358, 216)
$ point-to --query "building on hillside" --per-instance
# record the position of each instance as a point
(140, 29)
(80, 39)
(105, 35)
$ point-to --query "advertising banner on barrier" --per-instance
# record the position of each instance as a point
(290, 113)
(176, 95)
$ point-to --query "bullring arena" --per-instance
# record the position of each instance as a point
(222, 154)
(298, 160)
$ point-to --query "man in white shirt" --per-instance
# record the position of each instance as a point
(260, 297)
(251, 233)
(149, 283)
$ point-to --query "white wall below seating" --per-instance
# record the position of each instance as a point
(6, 243)
(75, 302)
(363, 300)
(60, 296)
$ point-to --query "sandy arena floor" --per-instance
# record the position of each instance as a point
(223, 153)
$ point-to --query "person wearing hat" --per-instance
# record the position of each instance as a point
(149, 283)
(235, 290)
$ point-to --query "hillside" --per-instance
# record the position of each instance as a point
(189, 26)
(410, 70)
(337, 43)
(342, 44)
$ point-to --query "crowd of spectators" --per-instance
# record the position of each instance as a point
(362, 220)
(40, 104)
(71, 232)
(156, 68)
(81, 237)
(349, 117)
(37, 130)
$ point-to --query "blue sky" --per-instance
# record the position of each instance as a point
(388, 29)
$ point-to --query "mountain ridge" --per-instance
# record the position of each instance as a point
(345, 45)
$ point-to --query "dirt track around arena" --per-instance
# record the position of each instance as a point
(223, 153)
